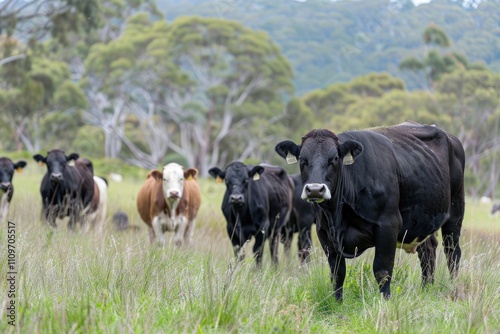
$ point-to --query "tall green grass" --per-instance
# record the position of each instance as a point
(110, 282)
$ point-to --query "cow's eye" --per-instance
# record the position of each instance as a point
(303, 160)
(335, 159)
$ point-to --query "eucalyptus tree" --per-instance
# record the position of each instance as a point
(206, 89)
(338, 106)
(109, 74)
(436, 61)
(473, 104)
(236, 82)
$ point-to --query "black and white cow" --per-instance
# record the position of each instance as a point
(386, 188)
(67, 187)
(7, 168)
(258, 203)
(301, 221)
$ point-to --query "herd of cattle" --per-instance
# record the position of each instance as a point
(387, 188)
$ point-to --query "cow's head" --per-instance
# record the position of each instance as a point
(321, 157)
(173, 177)
(7, 168)
(237, 177)
(56, 162)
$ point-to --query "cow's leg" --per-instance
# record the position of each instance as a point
(274, 246)
(188, 233)
(427, 255)
(49, 216)
(151, 234)
(158, 230)
(72, 222)
(451, 233)
(304, 245)
(237, 241)
(385, 254)
(180, 230)
(287, 236)
(258, 246)
(336, 263)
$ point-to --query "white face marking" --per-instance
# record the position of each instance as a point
(173, 181)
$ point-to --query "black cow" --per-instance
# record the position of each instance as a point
(66, 189)
(495, 209)
(7, 168)
(121, 223)
(386, 187)
(301, 220)
(257, 202)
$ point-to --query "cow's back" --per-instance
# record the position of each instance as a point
(405, 165)
(84, 174)
(279, 188)
(150, 200)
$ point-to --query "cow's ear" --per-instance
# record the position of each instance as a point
(217, 174)
(72, 156)
(191, 173)
(288, 150)
(40, 159)
(256, 172)
(18, 166)
(349, 151)
(158, 176)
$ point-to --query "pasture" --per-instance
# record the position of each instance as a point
(110, 282)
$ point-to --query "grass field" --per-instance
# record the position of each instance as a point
(110, 282)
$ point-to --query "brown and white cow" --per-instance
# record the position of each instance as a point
(95, 212)
(169, 201)
(7, 168)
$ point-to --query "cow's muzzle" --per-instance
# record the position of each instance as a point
(56, 177)
(173, 194)
(236, 199)
(316, 192)
(5, 186)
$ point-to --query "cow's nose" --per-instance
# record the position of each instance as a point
(56, 177)
(236, 199)
(5, 185)
(173, 194)
(315, 190)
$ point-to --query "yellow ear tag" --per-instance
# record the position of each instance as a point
(290, 158)
(218, 180)
(41, 163)
(348, 159)
(256, 176)
(19, 170)
(190, 177)
(71, 163)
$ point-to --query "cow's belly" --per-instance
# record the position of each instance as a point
(418, 225)
(411, 246)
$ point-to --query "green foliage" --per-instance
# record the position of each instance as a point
(354, 105)
(89, 142)
(435, 63)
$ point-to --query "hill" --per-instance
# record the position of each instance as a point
(335, 41)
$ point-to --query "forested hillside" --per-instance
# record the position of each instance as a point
(335, 41)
